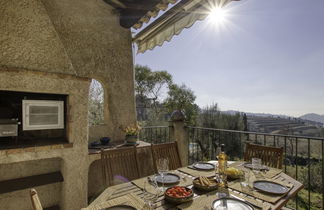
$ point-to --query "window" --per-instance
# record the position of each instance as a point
(42, 114)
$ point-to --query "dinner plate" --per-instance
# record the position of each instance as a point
(270, 187)
(120, 207)
(262, 167)
(168, 178)
(230, 204)
(204, 166)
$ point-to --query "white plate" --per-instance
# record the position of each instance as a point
(270, 187)
(230, 204)
(204, 166)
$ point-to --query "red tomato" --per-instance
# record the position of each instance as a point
(178, 192)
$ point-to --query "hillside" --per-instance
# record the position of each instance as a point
(288, 126)
(313, 117)
(233, 112)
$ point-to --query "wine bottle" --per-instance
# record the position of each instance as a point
(222, 166)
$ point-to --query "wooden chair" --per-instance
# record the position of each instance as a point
(146, 166)
(35, 200)
(270, 156)
(122, 162)
(169, 151)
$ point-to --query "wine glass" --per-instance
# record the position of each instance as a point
(256, 165)
(162, 167)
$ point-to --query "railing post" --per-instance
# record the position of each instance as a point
(171, 131)
(178, 133)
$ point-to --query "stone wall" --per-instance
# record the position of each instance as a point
(57, 46)
(76, 37)
(29, 40)
(72, 193)
(99, 48)
(49, 194)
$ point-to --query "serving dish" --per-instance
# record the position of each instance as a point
(200, 183)
(178, 194)
(105, 140)
(234, 173)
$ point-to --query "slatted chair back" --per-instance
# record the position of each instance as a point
(270, 156)
(35, 200)
(168, 151)
(121, 162)
(146, 167)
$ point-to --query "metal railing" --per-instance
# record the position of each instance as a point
(155, 134)
(303, 157)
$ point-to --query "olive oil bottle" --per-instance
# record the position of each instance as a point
(222, 166)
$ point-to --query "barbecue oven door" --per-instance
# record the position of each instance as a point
(43, 114)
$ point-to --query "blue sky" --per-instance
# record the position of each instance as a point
(267, 57)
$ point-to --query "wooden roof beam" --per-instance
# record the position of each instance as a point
(116, 4)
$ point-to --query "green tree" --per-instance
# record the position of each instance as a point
(209, 116)
(150, 87)
(182, 98)
(212, 117)
(150, 84)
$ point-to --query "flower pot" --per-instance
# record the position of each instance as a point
(131, 139)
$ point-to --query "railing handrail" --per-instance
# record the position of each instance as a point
(258, 133)
(164, 126)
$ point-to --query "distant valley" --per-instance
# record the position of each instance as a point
(306, 125)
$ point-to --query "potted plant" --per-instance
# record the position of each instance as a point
(132, 133)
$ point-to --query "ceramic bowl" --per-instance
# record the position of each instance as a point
(104, 140)
(200, 187)
(178, 200)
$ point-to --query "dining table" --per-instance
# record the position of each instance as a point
(133, 193)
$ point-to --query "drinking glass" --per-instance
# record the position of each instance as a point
(162, 167)
(256, 165)
(245, 181)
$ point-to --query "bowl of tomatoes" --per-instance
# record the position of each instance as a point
(178, 194)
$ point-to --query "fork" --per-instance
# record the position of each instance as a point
(184, 178)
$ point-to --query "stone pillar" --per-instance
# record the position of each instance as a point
(179, 134)
(74, 189)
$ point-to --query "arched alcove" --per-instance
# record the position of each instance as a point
(96, 103)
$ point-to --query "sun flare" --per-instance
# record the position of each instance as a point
(217, 15)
